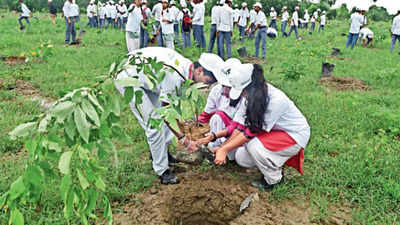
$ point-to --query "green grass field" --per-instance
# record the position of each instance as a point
(353, 156)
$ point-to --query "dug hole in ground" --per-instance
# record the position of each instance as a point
(212, 197)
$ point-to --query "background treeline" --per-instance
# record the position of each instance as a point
(374, 13)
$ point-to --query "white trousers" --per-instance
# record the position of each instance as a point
(158, 140)
(217, 125)
(169, 40)
(132, 43)
(270, 163)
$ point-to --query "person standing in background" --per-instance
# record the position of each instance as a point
(186, 27)
(294, 23)
(69, 22)
(92, 14)
(25, 14)
(252, 21)
(102, 14)
(356, 23)
(122, 14)
(135, 19)
(261, 26)
(236, 14)
(52, 11)
(213, 30)
(144, 34)
(198, 22)
(108, 14)
(395, 31)
(167, 25)
(273, 16)
(225, 28)
(114, 14)
(243, 20)
(322, 22)
(306, 19)
(175, 14)
(285, 19)
(157, 8)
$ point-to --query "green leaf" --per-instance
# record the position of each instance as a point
(44, 123)
(115, 107)
(64, 162)
(3, 199)
(70, 129)
(88, 108)
(66, 183)
(92, 199)
(107, 211)
(31, 146)
(33, 175)
(84, 220)
(150, 82)
(82, 180)
(62, 110)
(100, 184)
(17, 188)
(68, 207)
(16, 217)
(22, 130)
(128, 95)
(112, 68)
(94, 101)
(128, 82)
(83, 153)
(82, 124)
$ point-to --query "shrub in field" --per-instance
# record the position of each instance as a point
(70, 140)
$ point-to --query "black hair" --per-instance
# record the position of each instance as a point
(257, 100)
(206, 72)
(233, 103)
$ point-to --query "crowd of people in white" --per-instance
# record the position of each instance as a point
(174, 23)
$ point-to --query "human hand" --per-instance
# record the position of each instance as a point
(191, 146)
(69, 21)
(214, 150)
(220, 157)
(207, 139)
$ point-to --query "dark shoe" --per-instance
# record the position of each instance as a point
(168, 178)
(262, 184)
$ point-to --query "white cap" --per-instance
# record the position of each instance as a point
(319, 10)
(323, 12)
(272, 9)
(239, 77)
(284, 7)
(213, 63)
(172, 2)
(223, 74)
(297, 7)
(221, 2)
(92, 1)
(236, 5)
(258, 5)
(183, 5)
(164, 1)
(144, 1)
(121, 1)
(244, 4)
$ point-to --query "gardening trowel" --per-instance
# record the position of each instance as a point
(246, 202)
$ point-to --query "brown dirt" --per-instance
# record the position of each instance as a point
(344, 83)
(14, 60)
(24, 88)
(212, 199)
(193, 130)
(340, 58)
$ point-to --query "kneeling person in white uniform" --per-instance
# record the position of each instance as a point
(202, 71)
(367, 36)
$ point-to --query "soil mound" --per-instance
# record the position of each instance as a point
(14, 60)
(344, 83)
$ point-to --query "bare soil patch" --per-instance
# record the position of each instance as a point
(24, 88)
(344, 83)
(213, 199)
(254, 60)
(14, 60)
(340, 58)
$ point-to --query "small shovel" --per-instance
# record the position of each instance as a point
(246, 202)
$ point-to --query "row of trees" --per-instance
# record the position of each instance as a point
(374, 13)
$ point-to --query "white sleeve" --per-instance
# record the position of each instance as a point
(240, 115)
(276, 108)
(211, 106)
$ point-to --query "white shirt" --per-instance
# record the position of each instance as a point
(253, 15)
(214, 14)
(282, 114)
(102, 12)
(273, 15)
(68, 9)
(366, 33)
(171, 80)
(244, 16)
(295, 19)
(236, 15)
(157, 8)
(134, 19)
(108, 11)
(166, 27)
(306, 18)
(146, 11)
(113, 10)
(91, 10)
(25, 11)
(216, 101)
(225, 19)
(312, 19)
(323, 19)
(315, 15)
(356, 23)
(122, 11)
(175, 13)
(261, 19)
(272, 30)
(396, 25)
(198, 13)
(75, 9)
(285, 16)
